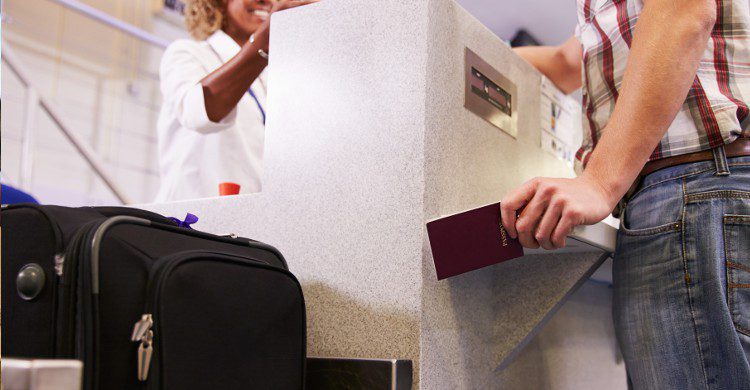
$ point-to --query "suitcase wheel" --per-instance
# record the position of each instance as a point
(30, 281)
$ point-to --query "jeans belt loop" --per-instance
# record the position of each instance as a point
(720, 159)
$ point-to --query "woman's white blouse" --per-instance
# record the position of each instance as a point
(195, 153)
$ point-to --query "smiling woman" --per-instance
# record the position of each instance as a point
(212, 120)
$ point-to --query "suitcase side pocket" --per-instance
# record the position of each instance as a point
(195, 298)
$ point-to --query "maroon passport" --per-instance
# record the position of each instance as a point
(470, 240)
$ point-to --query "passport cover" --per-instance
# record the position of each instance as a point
(470, 240)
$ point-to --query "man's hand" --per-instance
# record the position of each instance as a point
(551, 208)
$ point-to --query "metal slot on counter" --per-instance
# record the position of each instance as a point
(489, 94)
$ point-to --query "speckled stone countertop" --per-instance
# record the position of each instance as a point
(367, 139)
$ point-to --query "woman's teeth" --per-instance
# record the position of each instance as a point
(259, 12)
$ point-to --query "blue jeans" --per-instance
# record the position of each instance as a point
(682, 277)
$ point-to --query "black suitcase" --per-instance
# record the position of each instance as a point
(147, 304)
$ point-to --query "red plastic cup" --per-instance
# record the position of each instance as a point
(228, 188)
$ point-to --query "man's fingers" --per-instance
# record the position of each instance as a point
(514, 201)
(508, 216)
(567, 223)
(527, 239)
(528, 221)
(547, 225)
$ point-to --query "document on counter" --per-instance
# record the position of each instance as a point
(470, 240)
(561, 122)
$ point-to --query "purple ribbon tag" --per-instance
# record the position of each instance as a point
(189, 220)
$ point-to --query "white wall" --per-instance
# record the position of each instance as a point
(106, 85)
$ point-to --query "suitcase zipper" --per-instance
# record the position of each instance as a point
(146, 330)
(143, 334)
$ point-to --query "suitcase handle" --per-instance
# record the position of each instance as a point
(97, 242)
(114, 221)
(114, 211)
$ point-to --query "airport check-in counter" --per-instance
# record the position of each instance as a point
(373, 129)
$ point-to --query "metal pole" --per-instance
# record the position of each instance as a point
(9, 57)
(27, 145)
(107, 19)
(86, 152)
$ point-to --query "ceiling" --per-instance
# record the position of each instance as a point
(550, 21)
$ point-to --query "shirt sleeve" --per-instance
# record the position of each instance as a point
(180, 75)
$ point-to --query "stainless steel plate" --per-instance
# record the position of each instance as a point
(489, 94)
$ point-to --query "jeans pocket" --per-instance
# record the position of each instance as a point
(655, 210)
(737, 252)
(647, 231)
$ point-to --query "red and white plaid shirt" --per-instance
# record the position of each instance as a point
(717, 102)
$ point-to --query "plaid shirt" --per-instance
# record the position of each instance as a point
(717, 102)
